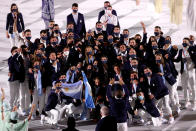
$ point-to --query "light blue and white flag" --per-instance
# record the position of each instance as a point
(88, 93)
(73, 90)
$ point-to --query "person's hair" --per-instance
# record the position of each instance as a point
(158, 27)
(106, 2)
(71, 122)
(13, 4)
(126, 30)
(109, 6)
(74, 5)
(186, 38)
(27, 30)
(116, 26)
(51, 21)
(98, 22)
(13, 48)
(104, 110)
(43, 31)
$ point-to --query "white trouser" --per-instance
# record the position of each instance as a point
(48, 90)
(15, 40)
(165, 101)
(54, 116)
(36, 99)
(122, 126)
(144, 115)
(188, 84)
(173, 94)
(25, 95)
(14, 93)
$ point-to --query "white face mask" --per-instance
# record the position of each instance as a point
(109, 12)
(66, 53)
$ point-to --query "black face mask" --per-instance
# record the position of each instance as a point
(14, 10)
(137, 40)
(56, 31)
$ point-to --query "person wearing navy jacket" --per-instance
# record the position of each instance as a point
(52, 70)
(160, 39)
(118, 103)
(146, 109)
(78, 20)
(187, 58)
(16, 75)
(14, 25)
(158, 91)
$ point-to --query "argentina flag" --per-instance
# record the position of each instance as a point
(88, 93)
(73, 90)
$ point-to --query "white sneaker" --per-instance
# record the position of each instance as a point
(163, 120)
(156, 122)
(187, 104)
(171, 120)
(178, 110)
(42, 119)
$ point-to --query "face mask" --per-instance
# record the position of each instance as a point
(116, 33)
(137, 40)
(167, 42)
(89, 53)
(63, 80)
(100, 40)
(156, 33)
(66, 53)
(110, 40)
(42, 49)
(155, 47)
(37, 67)
(140, 98)
(16, 54)
(134, 66)
(54, 43)
(133, 56)
(28, 38)
(79, 69)
(39, 55)
(70, 30)
(75, 11)
(148, 74)
(56, 31)
(58, 87)
(191, 42)
(104, 61)
(95, 66)
(51, 28)
(44, 38)
(53, 61)
(72, 71)
(109, 12)
(89, 38)
(14, 10)
(99, 29)
(125, 35)
(158, 61)
(184, 44)
(89, 70)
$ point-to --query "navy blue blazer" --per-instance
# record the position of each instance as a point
(10, 23)
(179, 58)
(118, 107)
(79, 27)
(107, 123)
(161, 42)
(157, 87)
(16, 68)
(49, 74)
(147, 106)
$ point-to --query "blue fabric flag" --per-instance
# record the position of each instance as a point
(88, 93)
(73, 90)
(39, 83)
